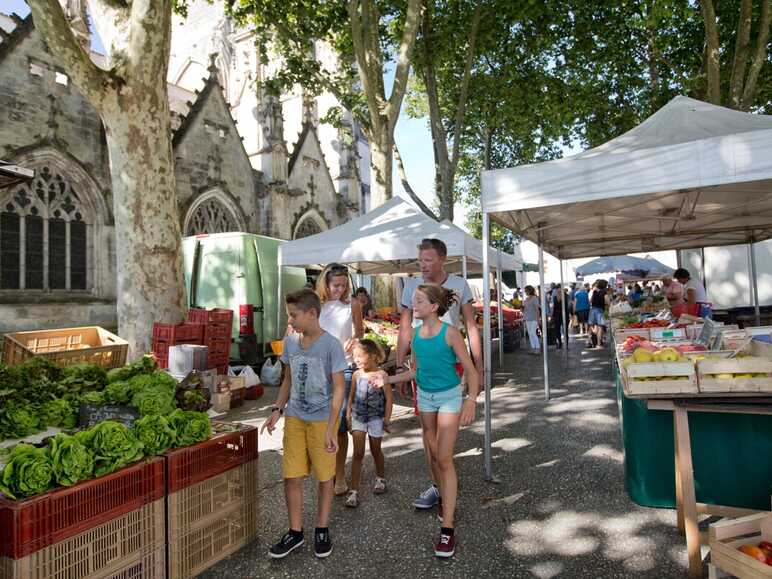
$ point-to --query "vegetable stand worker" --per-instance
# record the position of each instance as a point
(694, 292)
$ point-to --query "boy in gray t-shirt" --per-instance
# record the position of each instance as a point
(311, 396)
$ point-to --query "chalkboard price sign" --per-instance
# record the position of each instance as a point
(90, 414)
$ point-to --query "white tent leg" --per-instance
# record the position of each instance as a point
(487, 350)
(754, 282)
(563, 312)
(463, 266)
(500, 316)
(543, 295)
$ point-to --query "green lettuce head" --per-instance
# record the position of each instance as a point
(29, 471)
(154, 400)
(114, 446)
(155, 433)
(190, 426)
(73, 461)
(17, 422)
(58, 412)
(117, 393)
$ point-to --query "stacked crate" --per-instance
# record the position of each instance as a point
(106, 528)
(211, 501)
(166, 335)
(218, 327)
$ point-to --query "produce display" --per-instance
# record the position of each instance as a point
(761, 552)
(384, 332)
(37, 394)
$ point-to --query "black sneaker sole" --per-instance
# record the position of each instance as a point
(323, 555)
(282, 555)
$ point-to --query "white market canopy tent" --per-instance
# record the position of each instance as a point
(691, 175)
(386, 239)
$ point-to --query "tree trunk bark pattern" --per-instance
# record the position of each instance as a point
(741, 53)
(381, 145)
(759, 55)
(712, 63)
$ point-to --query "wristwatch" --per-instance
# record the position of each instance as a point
(276, 409)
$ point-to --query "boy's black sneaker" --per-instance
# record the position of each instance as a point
(288, 543)
(322, 543)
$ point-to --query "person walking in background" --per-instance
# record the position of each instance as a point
(366, 303)
(531, 315)
(368, 415)
(558, 305)
(597, 307)
(341, 317)
(437, 346)
(582, 308)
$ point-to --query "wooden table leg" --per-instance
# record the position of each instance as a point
(678, 482)
(689, 500)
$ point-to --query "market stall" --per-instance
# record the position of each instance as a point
(385, 241)
(691, 175)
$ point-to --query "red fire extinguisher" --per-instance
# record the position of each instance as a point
(246, 319)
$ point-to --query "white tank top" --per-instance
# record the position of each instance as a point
(337, 320)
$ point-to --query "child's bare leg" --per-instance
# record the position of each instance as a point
(359, 455)
(377, 452)
(340, 458)
(325, 494)
(293, 494)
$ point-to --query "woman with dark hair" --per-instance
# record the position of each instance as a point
(365, 303)
(694, 292)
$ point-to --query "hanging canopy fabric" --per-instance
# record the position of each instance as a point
(385, 240)
(641, 266)
(13, 174)
(691, 175)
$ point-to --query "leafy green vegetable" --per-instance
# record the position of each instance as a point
(155, 433)
(190, 426)
(145, 365)
(72, 460)
(377, 338)
(114, 446)
(92, 397)
(17, 422)
(117, 393)
(156, 379)
(37, 369)
(58, 412)
(29, 471)
(154, 400)
(81, 378)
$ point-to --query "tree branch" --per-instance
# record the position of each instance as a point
(149, 40)
(111, 20)
(408, 188)
(50, 21)
(361, 58)
(412, 21)
(759, 55)
(712, 65)
(741, 49)
(462, 97)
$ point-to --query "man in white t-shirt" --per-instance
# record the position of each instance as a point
(431, 259)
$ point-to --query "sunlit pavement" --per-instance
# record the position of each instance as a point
(559, 510)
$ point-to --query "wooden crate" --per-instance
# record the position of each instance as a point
(672, 378)
(727, 536)
(67, 346)
(707, 383)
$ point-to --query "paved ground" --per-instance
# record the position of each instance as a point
(560, 509)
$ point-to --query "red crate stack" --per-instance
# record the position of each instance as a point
(165, 335)
(217, 335)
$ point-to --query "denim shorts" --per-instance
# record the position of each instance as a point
(448, 401)
(372, 426)
(596, 317)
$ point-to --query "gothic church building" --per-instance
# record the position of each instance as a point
(244, 161)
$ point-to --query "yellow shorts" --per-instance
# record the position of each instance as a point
(304, 449)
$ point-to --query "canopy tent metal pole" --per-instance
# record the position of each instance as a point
(463, 266)
(487, 350)
(543, 295)
(500, 314)
(754, 281)
(563, 311)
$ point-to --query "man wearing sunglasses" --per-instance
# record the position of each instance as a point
(431, 260)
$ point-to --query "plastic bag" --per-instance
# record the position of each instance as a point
(251, 377)
(270, 373)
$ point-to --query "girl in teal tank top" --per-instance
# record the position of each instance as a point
(436, 348)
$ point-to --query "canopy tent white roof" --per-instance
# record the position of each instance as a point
(509, 262)
(691, 175)
(385, 240)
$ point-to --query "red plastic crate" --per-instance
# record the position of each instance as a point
(193, 464)
(217, 332)
(218, 348)
(31, 524)
(222, 370)
(214, 316)
(187, 333)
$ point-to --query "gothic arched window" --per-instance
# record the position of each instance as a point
(44, 232)
(307, 227)
(211, 213)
